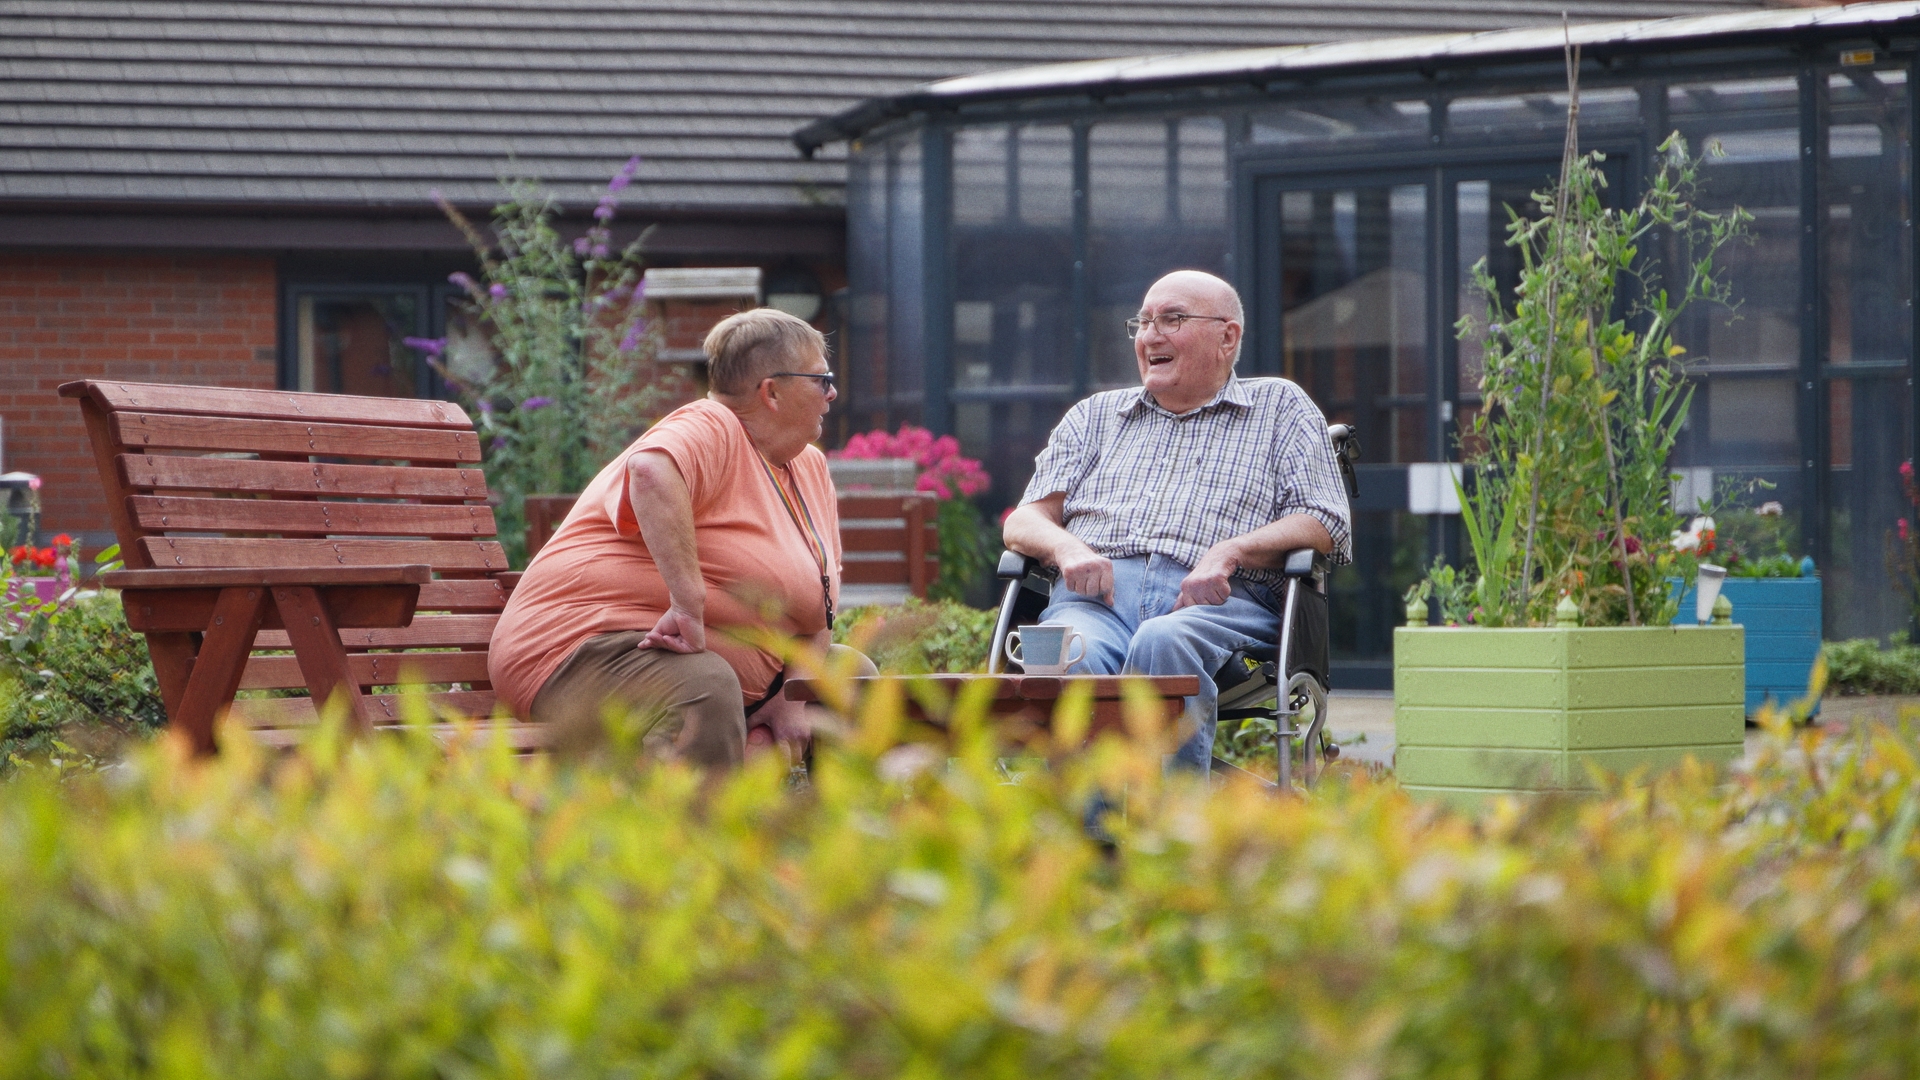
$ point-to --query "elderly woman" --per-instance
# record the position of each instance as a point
(717, 522)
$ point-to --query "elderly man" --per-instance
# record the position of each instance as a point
(1169, 508)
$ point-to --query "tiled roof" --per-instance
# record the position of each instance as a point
(376, 102)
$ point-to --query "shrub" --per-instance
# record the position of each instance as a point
(916, 638)
(389, 908)
(75, 684)
(571, 378)
(1861, 666)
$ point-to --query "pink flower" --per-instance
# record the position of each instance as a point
(1906, 470)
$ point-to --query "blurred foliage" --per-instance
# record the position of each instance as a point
(75, 684)
(395, 908)
(919, 637)
(1862, 666)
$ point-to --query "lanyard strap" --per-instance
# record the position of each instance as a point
(807, 531)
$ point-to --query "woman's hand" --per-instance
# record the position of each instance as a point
(679, 630)
(783, 722)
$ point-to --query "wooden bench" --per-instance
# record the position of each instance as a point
(890, 542)
(352, 533)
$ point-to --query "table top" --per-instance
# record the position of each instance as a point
(1024, 687)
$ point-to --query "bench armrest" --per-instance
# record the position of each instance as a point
(265, 576)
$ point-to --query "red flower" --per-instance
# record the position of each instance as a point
(21, 553)
(62, 540)
(43, 557)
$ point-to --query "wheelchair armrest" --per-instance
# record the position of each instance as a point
(1017, 567)
(1304, 563)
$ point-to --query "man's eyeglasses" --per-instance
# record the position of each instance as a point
(1168, 324)
(825, 377)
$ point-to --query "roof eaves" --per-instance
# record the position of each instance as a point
(1102, 78)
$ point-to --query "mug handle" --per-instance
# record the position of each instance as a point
(1012, 646)
(1075, 637)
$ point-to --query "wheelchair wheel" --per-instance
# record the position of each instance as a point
(1309, 701)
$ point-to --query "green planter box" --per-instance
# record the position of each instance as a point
(1480, 712)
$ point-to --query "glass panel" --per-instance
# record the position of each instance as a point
(1866, 190)
(1354, 304)
(865, 353)
(1353, 268)
(354, 344)
(1013, 279)
(1481, 222)
(906, 243)
(1744, 420)
(1541, 117)
(1341, 126)
(1143, 223)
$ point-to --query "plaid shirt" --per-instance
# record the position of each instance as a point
(1140, 480)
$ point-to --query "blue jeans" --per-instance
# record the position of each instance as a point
(1142, 634)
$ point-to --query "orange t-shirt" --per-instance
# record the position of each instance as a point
(596, 576)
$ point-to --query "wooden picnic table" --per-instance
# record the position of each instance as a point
(1022, 706)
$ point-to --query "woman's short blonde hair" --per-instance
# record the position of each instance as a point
(745, 348)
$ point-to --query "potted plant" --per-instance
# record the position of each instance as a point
(41, 574)
(1560, 655)
(1774, 589)
(914, 458)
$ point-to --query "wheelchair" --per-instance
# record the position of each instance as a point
(1289, 688)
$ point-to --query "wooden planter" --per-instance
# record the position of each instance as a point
(1782, 617)
(1481, 712)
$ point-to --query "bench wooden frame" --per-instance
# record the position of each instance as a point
(352, 531)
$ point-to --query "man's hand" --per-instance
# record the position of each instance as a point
(1211, 581)
(679, 630)
(1086, 573)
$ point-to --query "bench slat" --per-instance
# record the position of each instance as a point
(857, 505)
(299, 711)
(162, 512)
(883, 539)
(520, 737)
(442, 555)
(270, 404)
(214, 434)
(427, 632)
(160, 472)
(372, 669)
(476, 596)
(192, 610)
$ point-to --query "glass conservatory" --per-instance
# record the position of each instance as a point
(1003, 227)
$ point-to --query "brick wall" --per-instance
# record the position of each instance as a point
(204, 320)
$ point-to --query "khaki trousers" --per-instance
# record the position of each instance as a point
(683, 706)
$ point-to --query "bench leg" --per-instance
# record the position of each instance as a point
(316, 644)
(217, 668)
(172, 654)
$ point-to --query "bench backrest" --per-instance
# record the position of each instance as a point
(212, 477)
(889, 539)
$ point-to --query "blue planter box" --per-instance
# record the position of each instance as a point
(1782, 617)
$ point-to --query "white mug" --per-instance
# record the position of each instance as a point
(1043, 648)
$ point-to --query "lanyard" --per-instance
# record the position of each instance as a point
(807, 531)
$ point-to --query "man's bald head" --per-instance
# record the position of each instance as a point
(1223, 298)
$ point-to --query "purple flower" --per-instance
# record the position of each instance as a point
(580, 247)
(634, 334)
(536, 402)
(625, 176)
(604, 212)
(499, 442)
(599, 251)
(460, 279)
(640, 290)
(497, 291)
(485, 405)
(430, 346)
